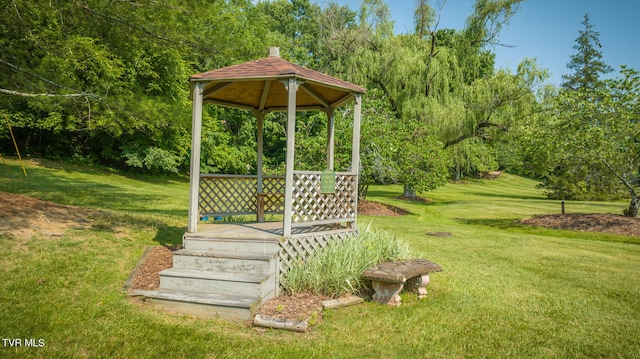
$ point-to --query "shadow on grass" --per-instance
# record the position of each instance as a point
(165, 234)
(46, 184)
(383, 192)
(169, 235)
(510, 195)
(99, 170)
(501, 223)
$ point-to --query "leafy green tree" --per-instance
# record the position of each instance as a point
(105, 81)
(589, 150)
(296, 21)
(608, 138)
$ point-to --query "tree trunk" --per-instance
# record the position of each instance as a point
(632, 211)
(362, 191)
(409, 192)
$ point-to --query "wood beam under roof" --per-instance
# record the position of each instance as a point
(317, 96)
(216, 88)
(265, 94)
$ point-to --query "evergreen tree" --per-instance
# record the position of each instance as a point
(587, 64)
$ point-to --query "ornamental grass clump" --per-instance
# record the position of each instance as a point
(337, 269)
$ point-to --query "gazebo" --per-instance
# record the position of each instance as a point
(263, 86)
(229, 269)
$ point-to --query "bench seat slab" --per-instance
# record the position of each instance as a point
(399, 272)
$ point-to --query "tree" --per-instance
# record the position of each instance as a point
(439, 81)
(608, 130)
(587, 64)
(589, 142)
(105, 81)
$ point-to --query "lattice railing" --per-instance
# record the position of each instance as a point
(310, 205)
(273, 190)
(237, 194)
(225, 195)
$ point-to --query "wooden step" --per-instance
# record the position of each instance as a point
(220, 261)
(202, 305)
(197, 241)
(225, 283)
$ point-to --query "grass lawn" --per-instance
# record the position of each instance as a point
(506, 290)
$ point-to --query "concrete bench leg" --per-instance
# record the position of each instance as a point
(419, 284)
(387, 293)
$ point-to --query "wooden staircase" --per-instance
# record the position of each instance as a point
(222, 277)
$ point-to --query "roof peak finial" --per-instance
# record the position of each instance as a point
(274, 52)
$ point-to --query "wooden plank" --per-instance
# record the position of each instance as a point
(323, 222)
(260, 179)
(342, 302)
(277, 323)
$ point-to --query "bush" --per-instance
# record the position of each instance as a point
(337, 269)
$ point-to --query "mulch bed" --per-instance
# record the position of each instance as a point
(369, 208)
(147, 275)
(300, 307)
(593, 222)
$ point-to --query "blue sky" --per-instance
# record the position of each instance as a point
(543, 29)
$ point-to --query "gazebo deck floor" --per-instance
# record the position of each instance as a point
(261, 231)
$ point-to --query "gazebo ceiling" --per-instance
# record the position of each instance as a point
(260, 85)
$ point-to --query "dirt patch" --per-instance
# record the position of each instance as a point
(597, 222)
(23, 217)
(440, 234)
(369, 208)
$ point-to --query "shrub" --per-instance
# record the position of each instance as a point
(337, 269)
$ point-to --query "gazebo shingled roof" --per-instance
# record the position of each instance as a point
(250, 85)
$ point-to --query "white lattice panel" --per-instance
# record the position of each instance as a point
(299, 249)
(237, 194)
(273, 187)
(311, 205)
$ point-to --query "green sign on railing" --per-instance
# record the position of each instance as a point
(328, 181)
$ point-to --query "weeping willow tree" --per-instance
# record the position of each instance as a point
(440, 84)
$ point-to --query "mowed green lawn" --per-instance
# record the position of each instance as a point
(506, 290)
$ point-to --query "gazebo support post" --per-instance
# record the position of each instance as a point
(292, 88)
(260, 145)
(196, 133)
(330, 138)
(355, 149)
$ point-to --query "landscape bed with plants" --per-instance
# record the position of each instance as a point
(507, 289)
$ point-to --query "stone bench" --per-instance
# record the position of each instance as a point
(389, 278)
